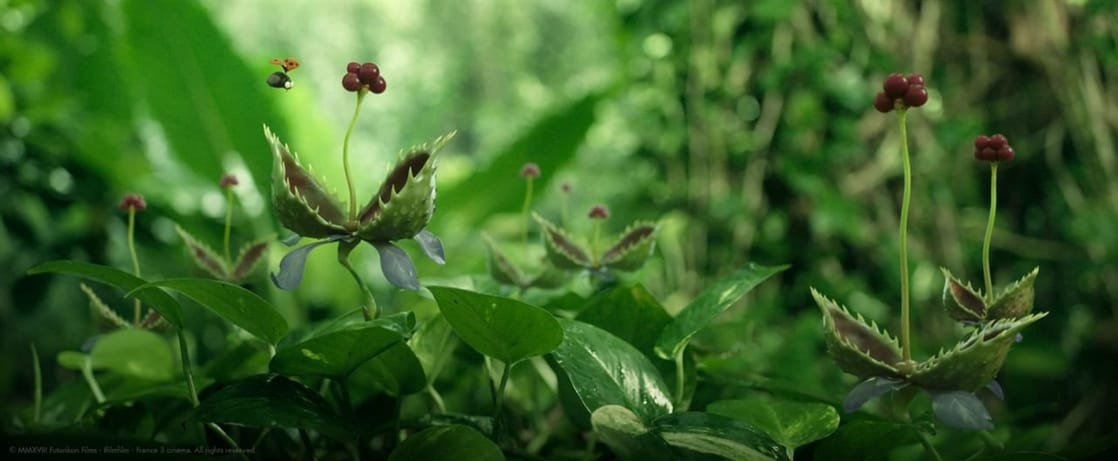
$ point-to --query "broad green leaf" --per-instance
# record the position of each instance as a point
(230, 302)
(605, 370)
(789, 422)
(72, 360)
(627, 436)
(502, 328)
(447, 442)
(717, 435)
(137, 353)
(630, 313)
(961, 410)
(397, 371)
(335, 354)
(708, 305)
(156, 299)
(270, 401)
(866, 439)
(433, 344)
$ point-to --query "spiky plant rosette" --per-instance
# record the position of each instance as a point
(207, 259)
(399, 210)
(505, 272)
(628, 252)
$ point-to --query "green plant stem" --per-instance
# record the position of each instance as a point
(308, 450)
(38, 374)
(924, 440)
(680, 379)
(87, 373)
(437, 398)
(370, 309)
(135, 261)
(566, 211)
(345, 157)
(500, 397)
(228, 222)
(991, 441)
(594, 242)
(906, 343)
(186, 371)
(228, 440)
(990, 232)
(524, 211)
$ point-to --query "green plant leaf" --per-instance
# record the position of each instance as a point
(300, 201)
(156, 299)
(1016, 300)
(961, 410)
(106, 317)
(447, 442)
(627, 436)
(405, 201)
(250, 256)
(630, 313)
(563, 250)
(397, 371)
(975, 360)
(434, 344)
(712, 301)
(270, 401)
(789, 422)
(717, 435)
(861, 348)
(136, 353)
(232, 303)
(963, 303)
(502, 328)
(335, 354)
(632, 249)
(605, 370)
(866, 438)
(203, 256)
(500, 267)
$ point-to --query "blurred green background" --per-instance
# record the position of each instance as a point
(745, 127)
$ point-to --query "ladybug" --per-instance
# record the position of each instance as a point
(281, 79)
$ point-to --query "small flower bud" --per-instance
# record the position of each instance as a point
(565, 187)
(530, 170)
(133, 201)
(229, 181)
(599, 212)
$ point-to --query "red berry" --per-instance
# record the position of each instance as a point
(998, 141)
(916, 96)
(988, 154)
(895, 86)
(352, 67)
(882, 103)
(981, 142)
(1005, 154)
(133, 201)
(378, 86)
(915, 79)
(351, 82)
(599, 212)
(369, 73)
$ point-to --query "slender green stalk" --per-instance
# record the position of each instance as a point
(228, 222)
(931, 449)
(501, 391)
(566, 209)
(524, 211)
(680, 379)
(594, 242)
(87, 373)
(135, 260)
(345, 157)
(437, 398)
(370, 309)
(38, 373)
(308, 450)
(990, 232)
(187, 373)
(906, 342)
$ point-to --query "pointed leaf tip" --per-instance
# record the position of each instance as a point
(860, 348)
(963, 303)
(292, 265)
(202, 255)
(397, 266)
(562, 250)
(632, 249)
(1016, 300)
(431, 245)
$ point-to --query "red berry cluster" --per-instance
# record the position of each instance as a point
(599, 212)
(363, 77)
(992, 148)
(906, 91)
(133, 201)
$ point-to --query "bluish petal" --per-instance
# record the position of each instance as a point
(431, 245)
(996, 388)
(397, 266)
(292, 265)
(291, 240)
(868, 390)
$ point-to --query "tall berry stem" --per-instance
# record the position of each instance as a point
(906, 344)
(228, 221)
(135, 260)
(345, 157)
(524, 211)
(990, 232)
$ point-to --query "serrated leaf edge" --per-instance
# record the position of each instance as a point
(1008, 327)
(1029, 279)
(236, 274)
(550, 229)
(820, 300)
(380, 207)
(617, 252)
(948, 293)
(101, 309)
(191, 241)
(274, 140)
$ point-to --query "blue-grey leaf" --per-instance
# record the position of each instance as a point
(291, 240)
(431, 245)
(961, 410)
(996, 388)
(397, 266)
(291, 266)
(868, 390)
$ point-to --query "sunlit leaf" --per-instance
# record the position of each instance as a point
(627, 436)
(434, 344)
(790, 423)
(717, 435)
(397, 371)
(335, 354)
(132, 352)
(502, 328)
(237, 305)
(630, 313)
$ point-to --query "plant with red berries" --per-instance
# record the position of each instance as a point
(224, 267)
(953, 375)
(399, 210)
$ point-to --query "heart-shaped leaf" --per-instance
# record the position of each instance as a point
(708, 305)
(271, 401)
(397, 371)
(133, 352)
(447, 442)
(397, 266)
(860, 348)
(605, 370)
(632, 248)
(293, 263)
(502, 328)
(202, 255)
(790, 423)
(431, 245)
(627, 436)
(975, 360)
(156, 299)
(337, 353)
(105, 315)
(962, 302)
(630, 313)
(562, 249)
(405, 201)
(868, 390)
(232, 303)
(250, 256)
(433, 345)
(300, 202)
(961, 410)
(1016, 300)
(865, 437)
(717, 435)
